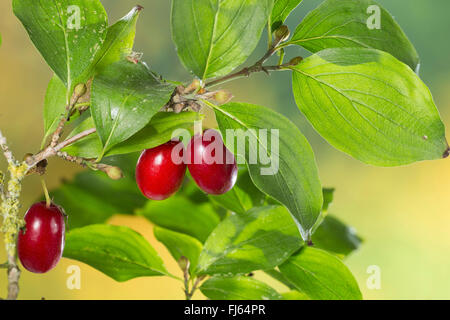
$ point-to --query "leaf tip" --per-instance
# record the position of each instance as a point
(139, 8)
(446, 153)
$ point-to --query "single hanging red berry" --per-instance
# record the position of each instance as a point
(211, 164)
(40, 245)
(160, 171)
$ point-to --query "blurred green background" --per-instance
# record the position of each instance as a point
(402, 213)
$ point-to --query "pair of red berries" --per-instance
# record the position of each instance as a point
(212, 166)
(40, 244)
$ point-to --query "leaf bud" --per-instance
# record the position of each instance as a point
(281, 34)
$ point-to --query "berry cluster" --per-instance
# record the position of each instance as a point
(159, 176)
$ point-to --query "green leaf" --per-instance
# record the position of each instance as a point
(242, 197)
(281, 10)
(213, 37)
(295, 295)
(321, 276)
(370, 105)
(54, 105)
(157, 132)
(119, 39)
(261, 239)
(334, 236)
(68, 34)
(296, 183)
(89, 147)
(345, 23)
(328, 195)
(238, 288)
(180, 245)
(118, 252)
(93, 198)
(181, 215)
(125, 96)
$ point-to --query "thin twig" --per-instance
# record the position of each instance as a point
(78, 92)
(195, 286)
(53, 151)
(13, 278)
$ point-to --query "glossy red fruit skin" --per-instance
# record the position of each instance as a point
(40, 245)
(212, 177)
(157, 175)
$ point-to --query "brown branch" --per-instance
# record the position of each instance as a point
(78, 92)
(53, 151)
(246, 72)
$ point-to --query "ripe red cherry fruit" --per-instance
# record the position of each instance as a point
(160, 171)
(40, 245)
(211, 164)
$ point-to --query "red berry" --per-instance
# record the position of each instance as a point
(158, 175)
(211, 164)
(40, 245)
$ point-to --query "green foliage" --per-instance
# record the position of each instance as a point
(281, 10)
(369, 105)
(294, 295)
(320, 275)
(344, 23)
(242, 197)
(54, 105)
(93, 198)
(296, 183)
(68, 34)
(238, 288)
(182, 215)
(118, 252)
(125, 96)
(358, 90)
(180, 245)
(119, 39)
(158, 131)
(261, 239)
(213, 37)
(336, 237)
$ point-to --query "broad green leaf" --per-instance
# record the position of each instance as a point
(180, 245)
(261, 239)
(181, 215)
(93, 198)
(293, 179)
(281, 10)
(213, 37)
(119, 39)
(54, 105)
(370, 105)
(238, 288)
(321, 276)
(118, 252)
(242, 197)
(328, 195)
(157, 132)
(349, 23)
(334, 236)
(89, 147)
(277, 275)
(125, 96)
(295, 295)
(68, 34)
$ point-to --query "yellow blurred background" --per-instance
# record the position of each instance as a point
(402, 213)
